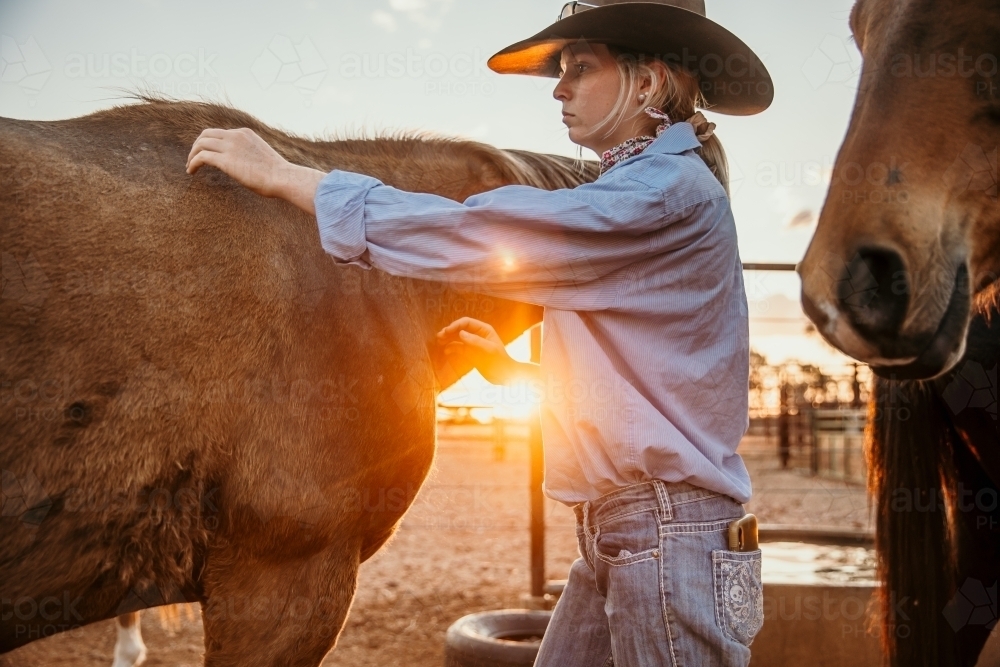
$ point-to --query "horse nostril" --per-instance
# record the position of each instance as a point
(874, 293)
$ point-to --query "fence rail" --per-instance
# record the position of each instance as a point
(827, 442)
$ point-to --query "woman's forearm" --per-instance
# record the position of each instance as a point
(298, 185)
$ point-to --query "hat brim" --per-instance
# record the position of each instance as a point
(732, 78)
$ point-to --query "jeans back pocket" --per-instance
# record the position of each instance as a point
(739, 594)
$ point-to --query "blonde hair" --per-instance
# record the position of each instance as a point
(677, 95)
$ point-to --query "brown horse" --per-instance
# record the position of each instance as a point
(902, 274)
(196, 403)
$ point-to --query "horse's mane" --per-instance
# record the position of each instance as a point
(382, 152)
(987, 302)
(915, 463)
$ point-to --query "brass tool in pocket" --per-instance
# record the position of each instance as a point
(743, 534)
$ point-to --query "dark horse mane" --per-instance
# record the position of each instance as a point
(931, 528)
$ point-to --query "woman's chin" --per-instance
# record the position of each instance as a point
(577, 137)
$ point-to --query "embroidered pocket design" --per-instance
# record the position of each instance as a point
(739, 594)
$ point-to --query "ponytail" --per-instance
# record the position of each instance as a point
(711, 150)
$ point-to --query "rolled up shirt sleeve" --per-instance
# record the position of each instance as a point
(561, 248)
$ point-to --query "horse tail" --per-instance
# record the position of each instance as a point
(909, 453)
(170, 616)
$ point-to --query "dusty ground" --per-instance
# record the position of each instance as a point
(462, 548)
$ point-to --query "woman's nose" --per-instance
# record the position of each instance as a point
(561, 91)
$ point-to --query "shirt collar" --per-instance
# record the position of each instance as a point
(677, 139)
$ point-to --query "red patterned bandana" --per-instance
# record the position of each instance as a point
(635, 145)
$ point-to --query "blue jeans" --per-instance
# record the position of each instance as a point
(656, 584)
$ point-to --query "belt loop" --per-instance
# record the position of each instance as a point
(666, 511)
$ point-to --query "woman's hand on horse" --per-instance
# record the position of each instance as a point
(249, 160)
(243, 155)
(478, 343)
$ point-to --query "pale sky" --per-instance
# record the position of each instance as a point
(318, 67)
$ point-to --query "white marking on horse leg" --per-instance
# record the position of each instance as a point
(130, 650)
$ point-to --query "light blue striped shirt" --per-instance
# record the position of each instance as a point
(645, 343)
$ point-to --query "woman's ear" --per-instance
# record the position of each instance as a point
(657, 68)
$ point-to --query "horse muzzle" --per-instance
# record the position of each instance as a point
(864, 313)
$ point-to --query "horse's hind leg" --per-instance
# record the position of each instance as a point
(286, 614)
(129, 647)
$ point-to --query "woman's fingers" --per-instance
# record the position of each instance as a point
(482, 346)
(470, 340)
(214, 133)
(453, 328)
(210, 144)
(481, 329)
(471, 325)
(244, 156)
(466, 339)
(475, 340)
(204, 147)
(203, 158)
(210, 133)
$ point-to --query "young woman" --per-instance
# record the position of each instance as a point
(645, 352)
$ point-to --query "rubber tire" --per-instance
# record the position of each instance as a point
(477, 640)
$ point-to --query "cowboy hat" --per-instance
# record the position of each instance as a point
(732, 78)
